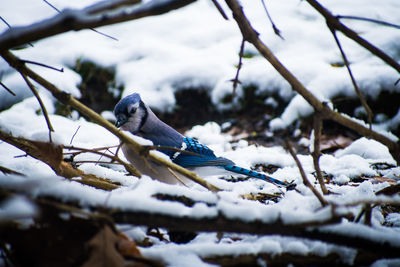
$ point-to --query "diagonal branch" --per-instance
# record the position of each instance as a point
(276, 30)
(7, 89)
(364, 103)
(42, 106)
(251, 36)
(306, 182)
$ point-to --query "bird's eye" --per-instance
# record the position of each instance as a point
(131, 110)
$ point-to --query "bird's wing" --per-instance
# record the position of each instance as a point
(204, 156)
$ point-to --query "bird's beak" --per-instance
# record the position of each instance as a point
(121, 120)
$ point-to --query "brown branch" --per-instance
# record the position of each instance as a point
(377, 21)
(67, 99)
(76, 20)
(5, 170)
(41, 65)
(364, 103)
(42, 106)
(276, 30)
(96, 31)
(251, 36)
(236, 79)
(220, 10)
(7, 89)
(306, 182)
(51, 155)
(316, 153)
(336, 24)
(128, 167)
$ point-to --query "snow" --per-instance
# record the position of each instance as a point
(159, 55)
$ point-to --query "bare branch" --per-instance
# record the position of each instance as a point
(306, 182)
(316, 153)
(239, 66)
(41, 65)
(221, 11)
(114, 158)
(51, 155)
(73, 136)
(364, 103)
(9, 171)
(7, 89)
(377, 21)
(42, 106)
(276, 30)
(9, 26)
(96, 31)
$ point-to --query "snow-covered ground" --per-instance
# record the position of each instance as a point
(190, 48)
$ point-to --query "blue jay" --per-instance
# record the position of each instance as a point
(135, 116)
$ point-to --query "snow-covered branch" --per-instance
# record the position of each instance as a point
(88, 18)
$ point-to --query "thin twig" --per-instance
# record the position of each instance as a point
(353, 80)
(114, 158)
(96, 31)
(221, 11)
(369, 20)
(73, 136)
(7, 89)
(42, 65)
(239, 66)
(276, 30)
(316, 153)
(306, 182)
(42, 106)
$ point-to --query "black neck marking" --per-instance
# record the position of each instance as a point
(146, 114)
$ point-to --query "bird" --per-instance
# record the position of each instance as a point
(134, 116)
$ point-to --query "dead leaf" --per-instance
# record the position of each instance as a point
(103, 249)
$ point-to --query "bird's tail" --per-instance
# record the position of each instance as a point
(239, 170)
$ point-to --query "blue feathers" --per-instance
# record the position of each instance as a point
(254, 174)
(204, 155)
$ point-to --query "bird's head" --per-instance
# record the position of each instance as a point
(131, 113)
